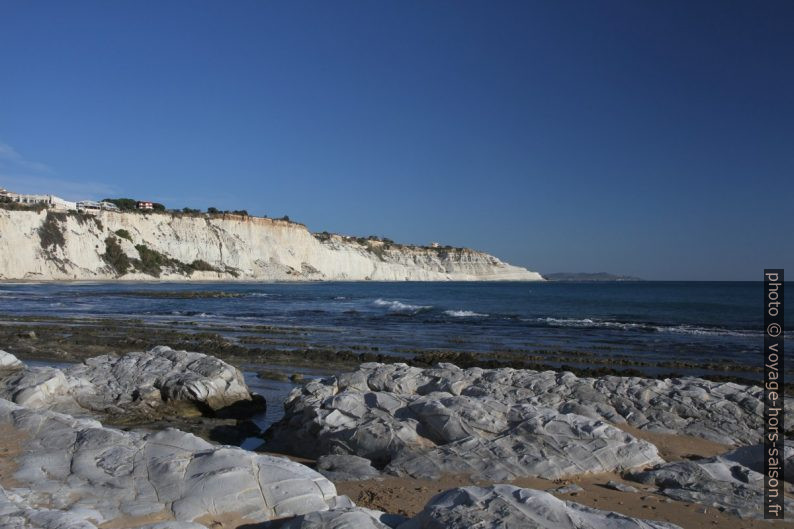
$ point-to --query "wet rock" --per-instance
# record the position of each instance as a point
(84, 470)
(141, 383)
(345, 468)
(713, 482)
(272, 375)
(505, 506)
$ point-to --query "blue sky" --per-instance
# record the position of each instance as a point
(647, 138)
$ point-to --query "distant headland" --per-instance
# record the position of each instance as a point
(588, 276)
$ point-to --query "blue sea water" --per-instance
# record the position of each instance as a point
(649, 321)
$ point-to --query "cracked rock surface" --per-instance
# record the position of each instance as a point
(504, 423)
(138, 383)
(76, 474)
(343, 518)
(15, 514)
(506, 507)
(715, 482)
(80, 472)
(345, 468)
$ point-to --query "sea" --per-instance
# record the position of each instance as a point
(656, 327)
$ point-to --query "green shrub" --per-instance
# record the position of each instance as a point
(16, 206)
(124, 204)
(124, 234)
(115, 256)
(150, 261)
(202, 266)
(51, 231)
(322, 236)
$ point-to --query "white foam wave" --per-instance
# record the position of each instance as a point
(399, 306)
(700, 331)
(678, 329)
(587, 322)
(464, 314)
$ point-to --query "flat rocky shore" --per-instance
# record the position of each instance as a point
(91, 445)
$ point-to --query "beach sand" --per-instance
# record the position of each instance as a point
(407, 496)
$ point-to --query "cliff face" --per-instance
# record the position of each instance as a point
(131, 246)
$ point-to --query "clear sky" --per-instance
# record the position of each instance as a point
(646, 138)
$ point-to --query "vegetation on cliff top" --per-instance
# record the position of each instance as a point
(130, 204)
(379, 245)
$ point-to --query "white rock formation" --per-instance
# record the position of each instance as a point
(348, 518)
(247, 248)
(9, 362)
(138, 382)
(345, 467)
(716, 482)
(429, 422)
(504, 423)
(16, 513)
(80, 469)
(752, 457)
(506, 507)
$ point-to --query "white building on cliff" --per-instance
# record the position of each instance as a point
(50, 201)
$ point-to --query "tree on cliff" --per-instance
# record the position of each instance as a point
(124, 204)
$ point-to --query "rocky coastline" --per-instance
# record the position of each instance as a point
(513, 447)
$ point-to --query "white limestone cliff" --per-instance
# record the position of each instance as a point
(42, 245)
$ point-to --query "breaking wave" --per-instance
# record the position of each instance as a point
(647, 327)
(400, 307)
(464, 314)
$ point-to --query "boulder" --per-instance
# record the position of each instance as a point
(79, 467)
(345, 468)
(506, 506)
(140, 383)
(9, 362)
